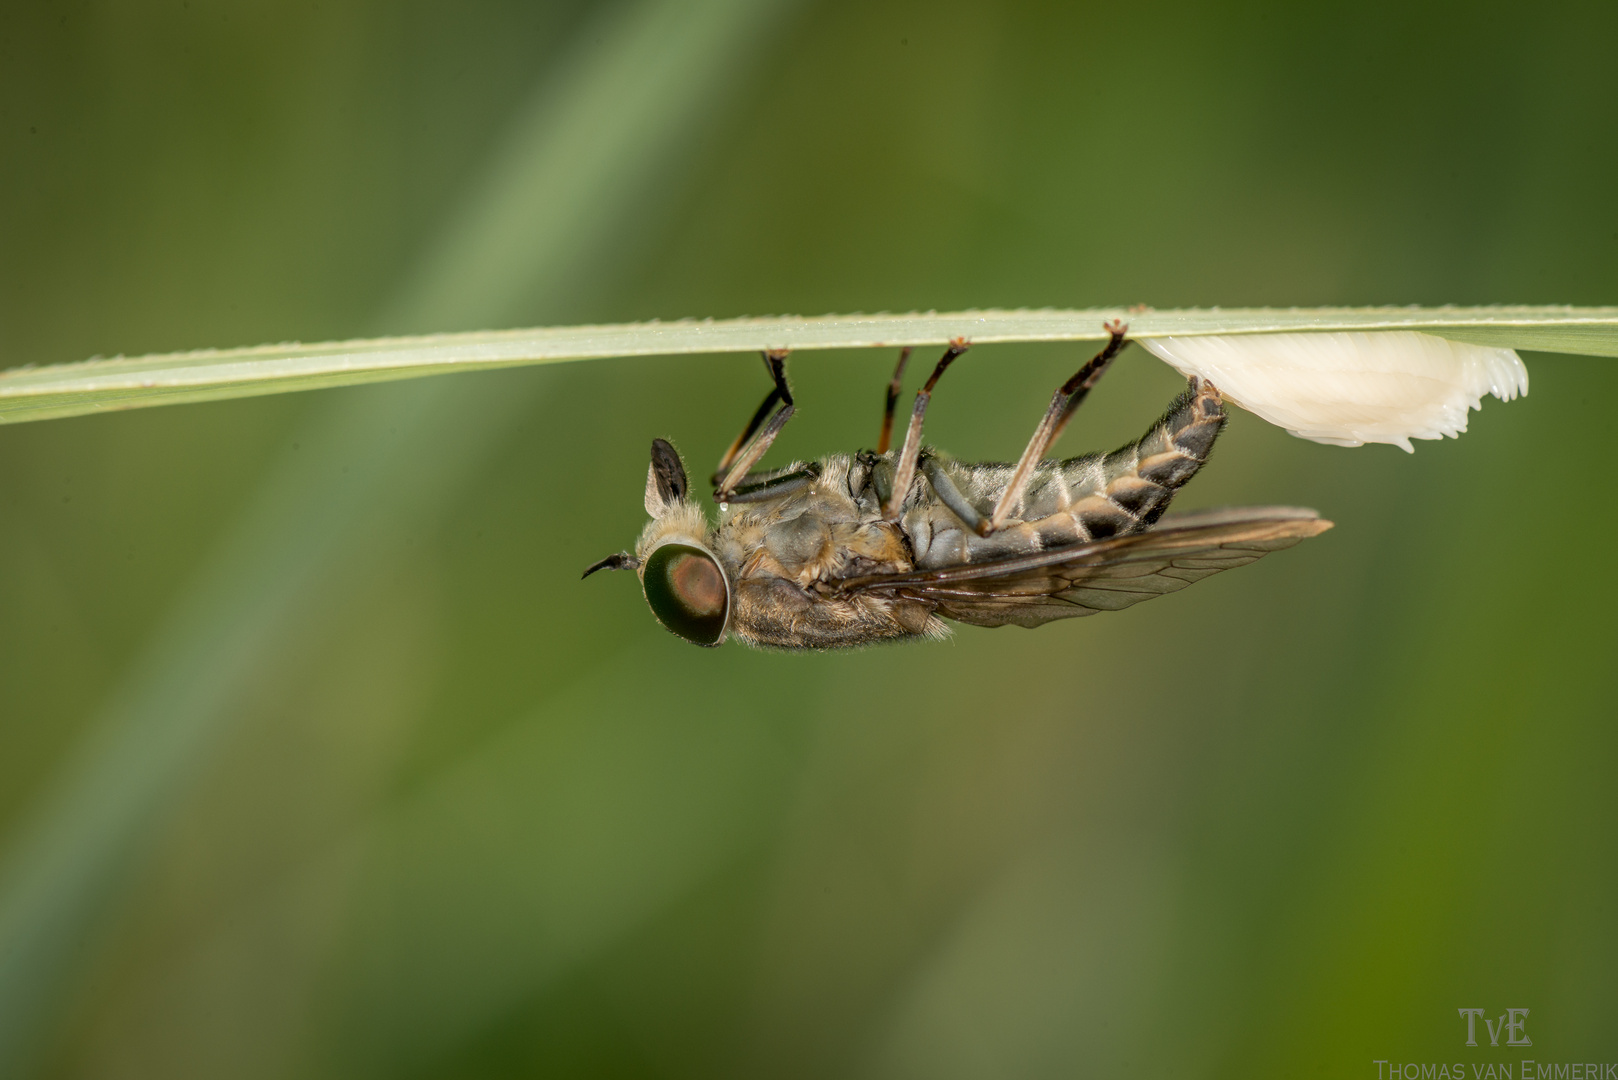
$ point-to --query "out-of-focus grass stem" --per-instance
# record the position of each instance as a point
(577, 168)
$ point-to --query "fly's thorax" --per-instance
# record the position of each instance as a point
(785, 552)
(810, 537)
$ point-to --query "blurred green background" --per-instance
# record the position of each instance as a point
(318, 760)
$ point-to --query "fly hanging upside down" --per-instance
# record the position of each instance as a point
(882, 546)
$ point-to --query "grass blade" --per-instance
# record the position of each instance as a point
(100, 385)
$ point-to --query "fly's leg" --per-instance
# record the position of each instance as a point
(751, 444)
(1078, 387)
(757, 487)
(905, 471)
(775, 365)
(755, 450)
(1066, 399)
(894, 384)
(949, 494)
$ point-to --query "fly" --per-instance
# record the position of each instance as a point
(884, 546)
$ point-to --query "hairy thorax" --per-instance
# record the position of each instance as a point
(782, 553)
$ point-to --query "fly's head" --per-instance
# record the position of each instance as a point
(686, 584)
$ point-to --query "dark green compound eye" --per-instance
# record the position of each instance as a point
(687, 592)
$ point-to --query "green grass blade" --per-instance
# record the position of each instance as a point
(99, 385)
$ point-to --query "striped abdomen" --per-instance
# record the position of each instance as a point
(1083, 498)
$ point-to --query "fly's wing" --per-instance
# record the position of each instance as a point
(1103, 575)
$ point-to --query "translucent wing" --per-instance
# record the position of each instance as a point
(1103, 575)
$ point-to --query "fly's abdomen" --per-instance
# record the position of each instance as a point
(1073, 501)
(1128, 489)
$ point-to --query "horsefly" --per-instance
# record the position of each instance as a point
(884, 545)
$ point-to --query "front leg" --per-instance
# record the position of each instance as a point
(759, 487)
(743, 455)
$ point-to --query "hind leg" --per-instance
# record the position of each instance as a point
(1063, 403)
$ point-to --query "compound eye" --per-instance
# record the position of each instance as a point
(687, 593)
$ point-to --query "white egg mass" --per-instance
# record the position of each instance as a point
(1348, 389)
